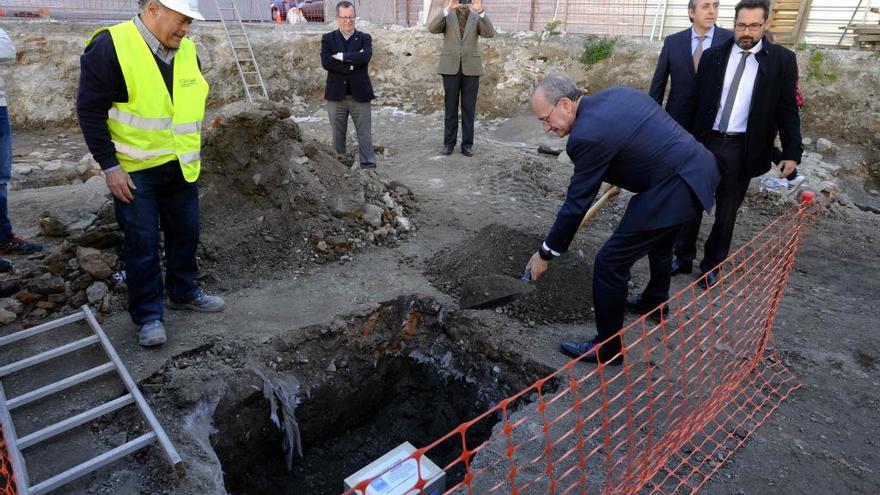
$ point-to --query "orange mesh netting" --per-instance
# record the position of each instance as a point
(692, 388)
(7, 480)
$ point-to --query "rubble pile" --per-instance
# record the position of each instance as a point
(84, 268)
(272, 201)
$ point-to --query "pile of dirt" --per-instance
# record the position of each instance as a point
(563, 294)
(273, 202)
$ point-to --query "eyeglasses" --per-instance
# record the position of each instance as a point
(546, 119)
(346, 18)
(739, 26)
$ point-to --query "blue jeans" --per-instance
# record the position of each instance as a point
(163, 200)
(5, 173)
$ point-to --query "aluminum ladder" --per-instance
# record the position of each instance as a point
(242, 52)
(15, 445)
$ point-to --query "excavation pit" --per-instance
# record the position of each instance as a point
(345, 425)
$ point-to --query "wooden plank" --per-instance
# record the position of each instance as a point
(863, 38)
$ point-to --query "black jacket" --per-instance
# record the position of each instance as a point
(352, 71)
(677, 63)
(773, 103)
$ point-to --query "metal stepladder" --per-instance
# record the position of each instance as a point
(15, 445)
(242, 52)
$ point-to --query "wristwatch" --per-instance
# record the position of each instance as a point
(545, 254)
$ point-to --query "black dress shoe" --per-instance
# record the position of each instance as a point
(681, 266)
(637, 305)
(709, 279)
(447, 149)
(466, 151)
(578, 349)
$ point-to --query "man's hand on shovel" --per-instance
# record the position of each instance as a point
(536, 267)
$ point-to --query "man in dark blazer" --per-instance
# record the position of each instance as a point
(745, 91)
(461, 67)
(681, 55)
(345, 55)
(622, 137)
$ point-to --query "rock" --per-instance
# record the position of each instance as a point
(96, 292)
(257, 178)
(79, 299)
(404, 224)
(58, 260)
(81, 282)
(322, 246)
(47, 284)
(57, 298)
(824, 145)
(10, 304)
(807, 141)
(7, 317)
(372, 215)
(46, 305)
(101, 237)
(62, 222)
(27, 297)
(338, 241)
(92, 262)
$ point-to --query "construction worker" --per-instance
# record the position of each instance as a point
(140, 103)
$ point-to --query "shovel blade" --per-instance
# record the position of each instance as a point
(490, 291)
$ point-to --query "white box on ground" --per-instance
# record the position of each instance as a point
(401, 479)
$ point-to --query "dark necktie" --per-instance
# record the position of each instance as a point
(698, 52)
(731, 93)
(462, 20)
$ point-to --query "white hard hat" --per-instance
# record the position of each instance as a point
(189, 8)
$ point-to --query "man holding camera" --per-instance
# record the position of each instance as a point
(461, 22)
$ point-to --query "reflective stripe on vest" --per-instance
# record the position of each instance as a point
(150, 129)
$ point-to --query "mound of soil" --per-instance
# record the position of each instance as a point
(563, 294)
(274, 203)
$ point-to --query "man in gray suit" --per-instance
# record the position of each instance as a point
(461, 67)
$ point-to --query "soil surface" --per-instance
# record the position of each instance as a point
(481, 215)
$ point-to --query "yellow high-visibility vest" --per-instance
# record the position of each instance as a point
(150, 129)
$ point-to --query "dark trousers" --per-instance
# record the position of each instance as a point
(163, 200)
(729, 196)
(460, 89)
(5, 173)
(611, 274)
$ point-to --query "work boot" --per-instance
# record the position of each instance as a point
(152, 333)
(17, 245)
(202, 302)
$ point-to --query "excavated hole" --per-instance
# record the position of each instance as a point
(347, 423)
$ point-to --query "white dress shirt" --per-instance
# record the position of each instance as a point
(739, 116)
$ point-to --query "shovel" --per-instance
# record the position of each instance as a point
(489, 291)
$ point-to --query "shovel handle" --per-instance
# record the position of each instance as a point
(600, 203)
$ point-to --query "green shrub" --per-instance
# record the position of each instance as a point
(817, 68)
(597, 50)
(552, 27)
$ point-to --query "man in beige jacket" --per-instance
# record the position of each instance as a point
(461, 67)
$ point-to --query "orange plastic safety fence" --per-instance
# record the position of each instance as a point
(692, 388)
(7, 479)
